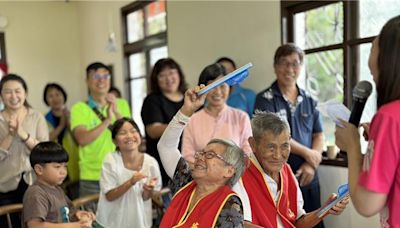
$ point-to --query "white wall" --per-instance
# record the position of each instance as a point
(42, 45)
(199, 32)
(96, 20)
(54, 41)
(330, 178)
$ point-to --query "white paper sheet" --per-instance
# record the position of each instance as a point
(335, 111)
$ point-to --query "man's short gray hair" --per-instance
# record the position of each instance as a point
(268, 121)
(234, 156)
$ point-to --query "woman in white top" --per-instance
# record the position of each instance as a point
(127, 181)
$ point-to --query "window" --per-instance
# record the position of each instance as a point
(3, 59)
(145, 42)
(336, 37)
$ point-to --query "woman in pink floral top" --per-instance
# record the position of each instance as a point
(216, 119)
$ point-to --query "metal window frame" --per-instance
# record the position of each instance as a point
(3, 58)
(350, 44)
(144, 45)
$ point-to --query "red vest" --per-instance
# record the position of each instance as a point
(263, 209)
(203, 215)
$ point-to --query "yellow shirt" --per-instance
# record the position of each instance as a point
(92, 155)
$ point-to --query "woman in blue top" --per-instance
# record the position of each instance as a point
(58, 121)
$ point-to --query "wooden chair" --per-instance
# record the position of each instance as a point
(81, 202)
(157, 197)
(7, 210)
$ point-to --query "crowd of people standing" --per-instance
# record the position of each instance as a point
(230, 158)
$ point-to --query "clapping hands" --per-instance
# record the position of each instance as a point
(15, 128)
(13, 125)
(85, 218)
(150, 184)
(137, 176)
(112, 106)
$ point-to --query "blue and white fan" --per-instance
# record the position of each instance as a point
(231, 79)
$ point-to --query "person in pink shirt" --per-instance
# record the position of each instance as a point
(216, 119)
(375, 179)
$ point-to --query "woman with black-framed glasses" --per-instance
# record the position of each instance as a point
(203, 188)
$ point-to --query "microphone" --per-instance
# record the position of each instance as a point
(361, 93)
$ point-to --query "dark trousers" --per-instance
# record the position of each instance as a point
(13, 197)
(312, 199)
(88, 187)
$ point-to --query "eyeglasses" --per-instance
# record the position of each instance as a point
(98, 77)
(287, 64)
(209, 155)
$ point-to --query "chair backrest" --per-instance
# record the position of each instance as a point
(7, 210)
(161, 200)
(157, 197)
(80, 202)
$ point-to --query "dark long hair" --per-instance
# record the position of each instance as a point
(14, 77)
(118, 125)
(53, 86)
(388, 85)
(226, 59)
(210, 73)
(160, 66)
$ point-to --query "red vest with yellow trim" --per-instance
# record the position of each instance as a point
(263, 209)
(203, 215)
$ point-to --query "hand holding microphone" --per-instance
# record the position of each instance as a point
(360, 95)
(347, 135)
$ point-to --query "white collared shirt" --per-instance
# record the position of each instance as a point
(273, 186)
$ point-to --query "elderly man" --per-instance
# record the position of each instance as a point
(269, 190)
(285, 98)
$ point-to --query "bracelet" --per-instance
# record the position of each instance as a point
(27, 137)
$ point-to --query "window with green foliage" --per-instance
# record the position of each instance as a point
(2, 49)
(145, 42)
(336, 37)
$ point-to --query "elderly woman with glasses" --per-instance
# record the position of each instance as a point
(203, 188)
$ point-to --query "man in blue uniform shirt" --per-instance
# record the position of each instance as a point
(295, 105)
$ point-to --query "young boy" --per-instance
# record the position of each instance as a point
(45, 204)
